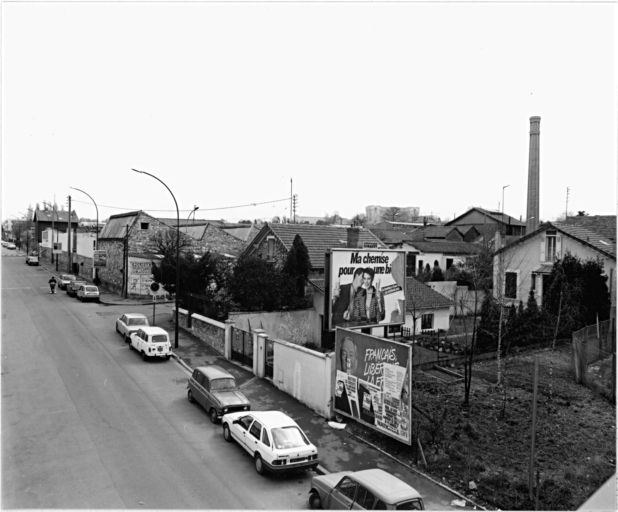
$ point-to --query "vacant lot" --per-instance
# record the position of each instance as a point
(489, 443)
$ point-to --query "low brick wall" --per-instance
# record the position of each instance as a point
(208, 330)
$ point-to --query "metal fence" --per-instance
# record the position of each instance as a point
(242, 346)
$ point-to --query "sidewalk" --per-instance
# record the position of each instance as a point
(339, 449)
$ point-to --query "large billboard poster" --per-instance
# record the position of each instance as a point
(373, 382)
(366, 288)
(140, 276)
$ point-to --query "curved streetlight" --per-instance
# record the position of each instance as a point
(195, 208)
(96, 270)
(177, 253)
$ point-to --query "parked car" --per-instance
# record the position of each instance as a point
(129, 323)
(88, 292)
(272, 438)
(32, 259)
(214, 388)
(64, 280)
(370, 489)
(11, 245)
(151, 342)
(73, 286)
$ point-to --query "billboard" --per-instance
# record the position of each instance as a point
(365, 288)
(100, 258)
(373, 382)
(140, 276)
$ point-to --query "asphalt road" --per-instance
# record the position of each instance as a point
(87, 424)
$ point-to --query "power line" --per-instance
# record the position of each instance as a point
(201, 209)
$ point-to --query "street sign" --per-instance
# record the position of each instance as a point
(156, 290)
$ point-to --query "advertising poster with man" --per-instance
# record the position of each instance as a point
(373, 381)
(366, 288)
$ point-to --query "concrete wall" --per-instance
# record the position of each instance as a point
(441, 320)
(208, 330)
(462, 297)
(304, 374)
(298, 326)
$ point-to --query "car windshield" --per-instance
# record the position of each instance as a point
(220, 384)
(159, 338)
(137, 321)
(66, 277)
(91, 289)
(410, 505)
(288, 437)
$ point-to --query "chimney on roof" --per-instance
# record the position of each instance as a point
(353, 237)
(532, 211)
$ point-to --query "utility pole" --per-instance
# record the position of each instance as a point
(69, 240)
(566, 210)
(291, 199)
(294, 207)
(52, 233)
(125, 258)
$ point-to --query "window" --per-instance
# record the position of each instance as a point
(427, 321)
(410, 264)
(256, 430)
(449, 263)
(144, 225)
(420, 266)
(364, 498)
(347, 488)
(550, 246)
(533, 285)
(265, 439)
(94, 245)
(219, 384)
(510, 285)
(245, 421)
(271, 247)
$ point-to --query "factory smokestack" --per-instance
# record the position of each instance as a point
(532, 212)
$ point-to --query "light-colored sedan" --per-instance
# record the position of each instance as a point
(273, 439)
(129, 323)
(369, 489)
(88, 292)
(151, 342)
(64, 280)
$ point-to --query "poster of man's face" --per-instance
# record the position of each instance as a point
(372, 382)
(367, 288)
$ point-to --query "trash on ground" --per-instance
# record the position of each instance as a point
(334, 424)
(458, 503)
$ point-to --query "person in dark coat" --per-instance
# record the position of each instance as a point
(343, 296)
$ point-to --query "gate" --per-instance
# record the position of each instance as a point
(242, 347)
(270, 358)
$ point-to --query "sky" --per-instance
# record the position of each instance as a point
(234, 106)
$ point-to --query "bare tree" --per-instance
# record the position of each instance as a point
(392, 214)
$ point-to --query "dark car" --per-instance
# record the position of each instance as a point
(215, 390)
(73, 286)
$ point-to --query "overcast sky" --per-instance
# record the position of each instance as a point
(359, 103)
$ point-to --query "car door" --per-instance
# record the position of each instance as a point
(343, 494)
(364, 499)
(240, 430)
(121, 323)
(254, 438)
(201, 382)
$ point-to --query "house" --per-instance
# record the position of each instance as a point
(274, 241)
(427, 254)
(83, 243)
(426, 309)
(525, 264)
(211, 237)
(52, 218)
(487, 222)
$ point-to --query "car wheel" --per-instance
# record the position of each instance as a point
(126, 338)
(259, 464)
(144, 356)
(167, 357)
(190, 396)
(227, 435)
(314, 500)
(130, 346)
(213, 415)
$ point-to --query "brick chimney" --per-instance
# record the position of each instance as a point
(532, 211)
(353, 237)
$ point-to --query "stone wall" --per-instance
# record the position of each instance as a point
(208, 330)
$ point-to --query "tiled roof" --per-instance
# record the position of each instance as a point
(600, 242)
(57, 216)
(318, 283)
(439, 232)
(392, 236)
(197, 232)
(604, 225)
(586, 235)
(319, 239)
(499, 217)
(116, 225)
(445, 247)
(171, 221)
(421, 296)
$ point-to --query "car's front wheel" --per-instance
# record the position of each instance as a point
(314, 500)
(227, 435)
(190, 396)
(259, 464)
(144, 356)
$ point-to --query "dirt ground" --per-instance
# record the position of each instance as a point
(484, 451)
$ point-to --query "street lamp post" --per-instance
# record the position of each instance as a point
(177, 253)
(505, 186)
(195, 208)
(96, 270)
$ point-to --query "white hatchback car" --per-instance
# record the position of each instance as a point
(130, 322)
(151, 342)
(272, 438)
